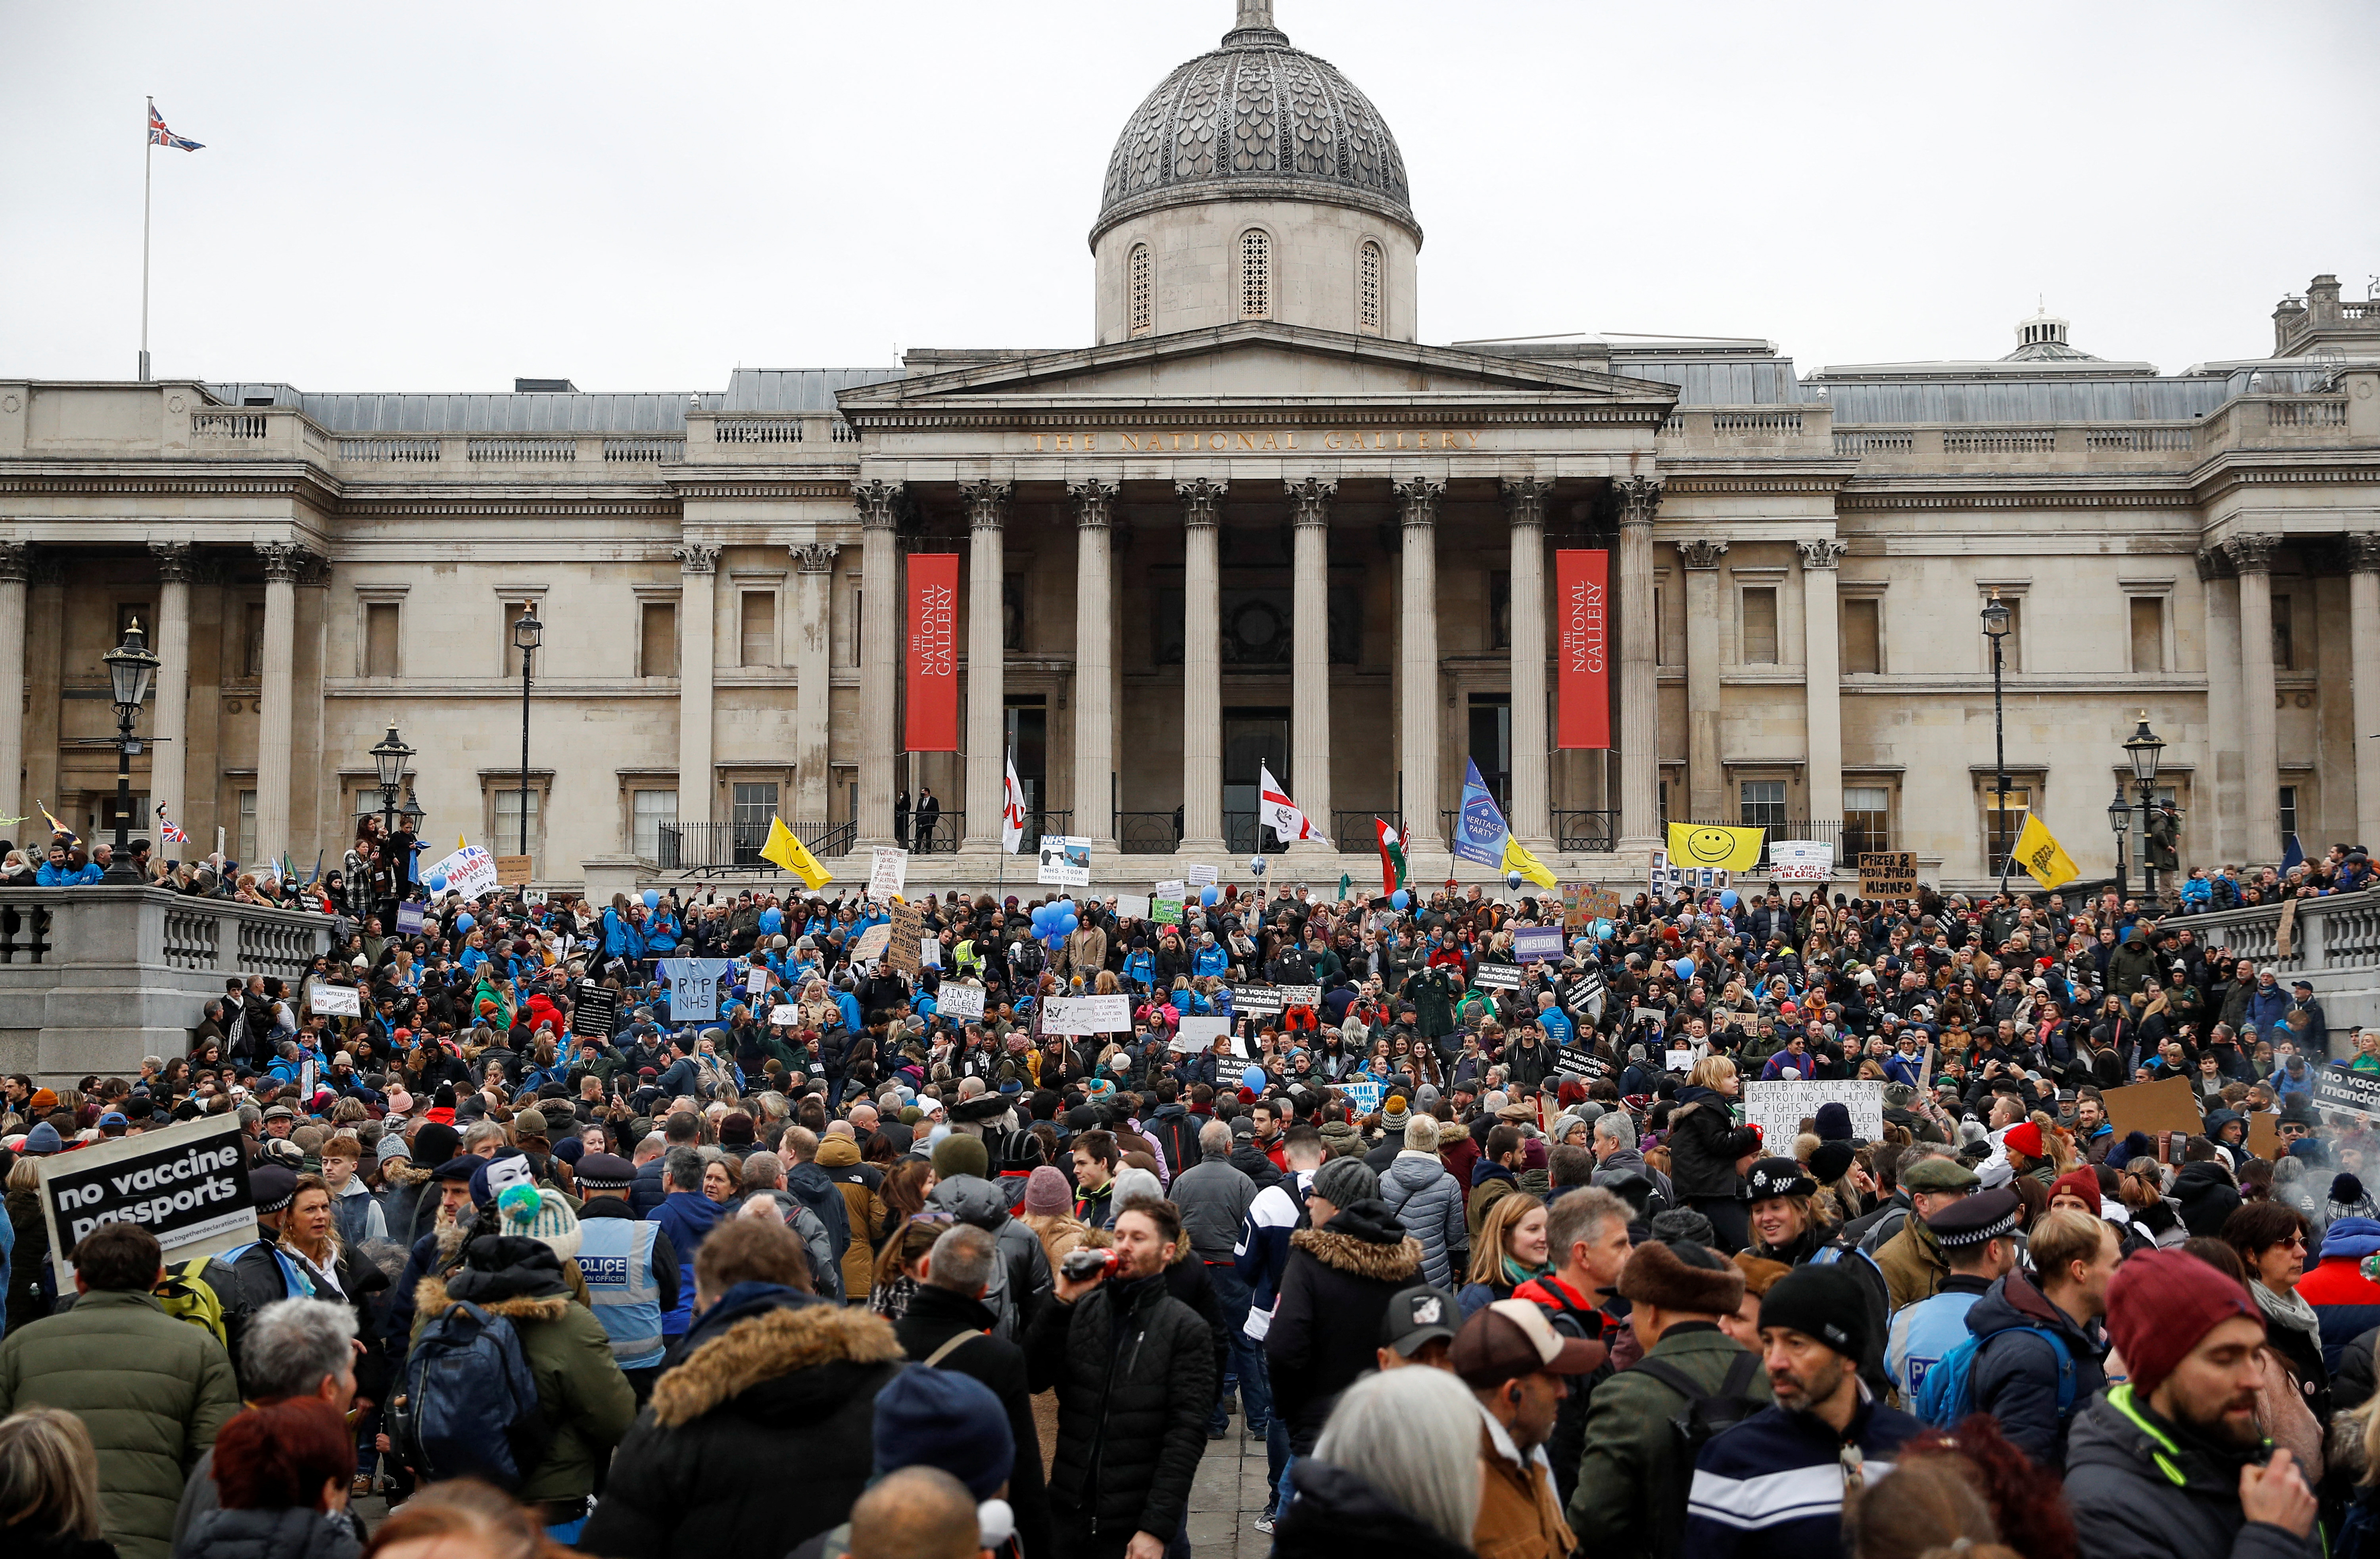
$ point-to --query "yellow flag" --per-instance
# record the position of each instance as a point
(786, 850)
(2042, 857)
(1711, 844)
(1518, 859)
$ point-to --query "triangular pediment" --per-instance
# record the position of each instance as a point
(1255, 364)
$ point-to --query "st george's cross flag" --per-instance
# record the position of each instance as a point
(1278, 812)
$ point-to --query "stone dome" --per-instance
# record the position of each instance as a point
(1256, 119)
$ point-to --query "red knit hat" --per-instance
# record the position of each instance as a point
(2025, 1138)
(2161, 1304)
(2083, 1182)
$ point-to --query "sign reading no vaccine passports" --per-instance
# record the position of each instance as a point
(187, 1184)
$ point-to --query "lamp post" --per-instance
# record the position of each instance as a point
(527, 633)
(2144, 748)
(389, 754)
(2119, 818)
(1995, 628)
(129, 667)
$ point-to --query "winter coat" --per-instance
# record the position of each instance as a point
(2015, 1375)
(1176, 1130)
(687, 1218)
(934, 1317)
(863, 1207)
(771, 1381)
(586, 1400)
(1520, 1515)
(1135, 1372)
(401, 1202)
(1337, 1512)
(292, 1532)
(1423, 1197)
(1490, 1183)
(2207, 1196)
(1913, 1264)
(1334, 1292)
(1705, 1144)
(1733, 1509)
(974, 1200)
(27, 1263)
(2140, 1491)
(2347, 1301)
(1214, 1197)
(1631, 1481)
(152, 1389)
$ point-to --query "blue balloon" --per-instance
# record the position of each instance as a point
(464, 923)
(1040, 920)
(437, 885)
(1602, 930)
(1208, 895)
(652, 899)
(1684, 968)
(1728, 898)
(1254, 1080)
(1513, 880)
(1069, 925)
(773, 920)
(1401, 899)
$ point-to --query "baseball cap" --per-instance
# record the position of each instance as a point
(1417, 1316)
(1510, 1338)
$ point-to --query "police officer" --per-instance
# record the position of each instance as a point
(632, 1275)
(1978, 1236)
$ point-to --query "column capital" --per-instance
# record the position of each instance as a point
(878, 503)
(1309, 501)
(1526, 500)
(986, 503)
(1639, 496)
(696, 557)
(2253, 552)
(176, 561)
(2212, 564)
(16, 562)
(284, 562)
(1094, 502)
(2361, 550)
(813, 556)
(1823, 551)
(1702, 552)
(1202, 501)
(1417, 500)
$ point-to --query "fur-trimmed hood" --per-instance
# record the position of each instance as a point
(766, 1346)
(395, 1178)
(430, 1301)
(1400, 1262)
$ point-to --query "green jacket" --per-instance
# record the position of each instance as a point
(1632, 1464)
(152, 1389)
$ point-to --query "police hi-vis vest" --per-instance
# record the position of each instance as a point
(615, 1256)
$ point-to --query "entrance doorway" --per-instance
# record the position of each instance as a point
(1491, 745)
(1252, 738)
(1027, 739)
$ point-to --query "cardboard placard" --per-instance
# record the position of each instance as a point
(872, 943)
(962, 1002)
(513, 871)
(901, 948)
(595, 1011)
(1533, 944)
(1165, 909)
(2343, 1092)
(2265, 1134)
(1132, 906)
(1603, 904)
(186, 1185)
(1086, 1014)
(2284, 930)
(887, 872)
(1497, 977)
(1778, 1109)
(1887, 874)
(338, 1001)
(2167, 1105)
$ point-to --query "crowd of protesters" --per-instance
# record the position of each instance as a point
(1482, 1252)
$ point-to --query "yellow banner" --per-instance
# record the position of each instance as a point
(2042, 857)
(1518, 859)
(1711, 844)
(785, 849)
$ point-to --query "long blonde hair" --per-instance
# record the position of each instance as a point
(49, 1475)
(1487, 1250)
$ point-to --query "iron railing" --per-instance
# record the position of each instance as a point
(942, 838)
(1054, 820)
(715, 849)
(1586, 830)
(1148, 833)
(1351, 832)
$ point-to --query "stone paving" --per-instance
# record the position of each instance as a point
(1227, 1497)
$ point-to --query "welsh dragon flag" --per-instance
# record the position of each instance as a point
(1392, 856)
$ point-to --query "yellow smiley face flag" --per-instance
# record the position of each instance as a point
(1712, 844)
(2042, 857)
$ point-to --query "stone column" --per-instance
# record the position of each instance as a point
(987, 702)
(1094, 504)
(16, 566)
(283, 562)
(698, 660)
(1309, 692)
(1639, 709)
(1705, 779)
(2363, 646)
(1202, 666)
(1524, 513)
(2214, 833)
(1822, 676)
(2259, 736)
(169, 759)
(879, 639)
(1417, 502)
(813, 621)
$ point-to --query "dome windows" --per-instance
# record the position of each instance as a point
(1368, 266)
(1141, 284)
(1255, 274)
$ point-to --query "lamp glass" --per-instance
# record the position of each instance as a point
(411, 812)
(129, 667)
(1995, 616)
(388, 755)
(2144, 748)
(2119, 815)
(527, 631)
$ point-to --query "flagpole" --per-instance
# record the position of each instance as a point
(148, 166)
(1000, 871)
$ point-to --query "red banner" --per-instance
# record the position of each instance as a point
(932, 657)
(1583, 619)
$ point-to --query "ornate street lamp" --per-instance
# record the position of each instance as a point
(528, 633)
(2119, 818)
(389, 755)
(2144, 748)
(129, 668)
(1995, 628)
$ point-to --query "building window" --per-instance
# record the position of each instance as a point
(2284, 637)
(506, 832)
(1256, 276)
(1863, 634)
(657, 640)
(1867, 815)
(2148, 633)
(251, 649)
(754, 803)
(2012, 642)
(1141, 281)
(1760, 626)
(650, 811)
(380, 638)
(759, 628)
(247, 825)
(1367, 289)
(2289, 812)
(2003, 820)
(1764, 804)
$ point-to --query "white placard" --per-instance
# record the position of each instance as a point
(470, 871)
(786, 1017)
(872, 943)
(1064, 861)
(887, 872)
(1681, 1060)
(755, 980)
(1086, 1014)
(955, 1000)
(929, 953)
(1778, 1109)
(1200, 877)
(1196, 1034)
(1801, 860)
(1132, 906)
(1170, 890)
(338, 1001)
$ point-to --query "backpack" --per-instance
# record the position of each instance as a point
(1947, 1394)
(189, 1297)
(468, 1406)
(1696, 1422)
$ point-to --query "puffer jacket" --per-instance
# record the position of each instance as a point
(1326, 1330)
(1134, 1371)
(772, 1379)
(2140, 1491)
(1705, 1144)
(152, 1389)
(863, 1208)
(2206, 1194)
(1423, 1197)
(290, 1533)
(971, 1198)
(2014, 1377)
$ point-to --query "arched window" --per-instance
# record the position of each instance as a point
(1367, 289)
(1141, 287)
(1256, 276)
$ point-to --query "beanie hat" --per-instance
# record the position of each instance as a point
(2345, 1189)
(1828, 1305)
(735, 1129)
(1834, 1123)
(1393, 1114)
(392, 1148)
(1683, 1224)
(1342, 1182)
(2159, 1306)
(538, 1212)
(1047, 1192)
(2083, 1183)
(43, 1140)
(1131, 1182)
(1681, 1276)
(435, 1143)
(2025, 1138)
(1831, 1162)
(959, 1153)
(944, 1419)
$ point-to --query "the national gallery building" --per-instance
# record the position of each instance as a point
(1254, 521)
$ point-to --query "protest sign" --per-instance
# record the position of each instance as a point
(1265, 1001)
(470, 871)
(1778, 1109)
(784, 1017)
(1200, 877)
(338, 1001)
(1364, 1095)
(2334, 1088)
(1199, 1033)
(962, 1002)
(1573, 903)
(595, 1013)
(1132, 906)
(1497, 977)
(2284, 930)
(1603, 904)
(887, 872)
(2265, 1135)
(1532, 944)
(2165, 1105)
(1164, 908)
(1652, 1015)
(1681, 1060)
(872, 943)
(1064, 861)
(186, 1185)
(513, 871)
(1887, 874)
(929, 953)
(901, 948)
(1086, 1014)
(1802, 861)
(409, 919)
(306, 1079)
(755, 980)
(694, 988)
(1582, 1064)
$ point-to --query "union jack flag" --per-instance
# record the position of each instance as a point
(166, 826)
(160, 136)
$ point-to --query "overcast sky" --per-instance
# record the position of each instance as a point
(440, 196)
